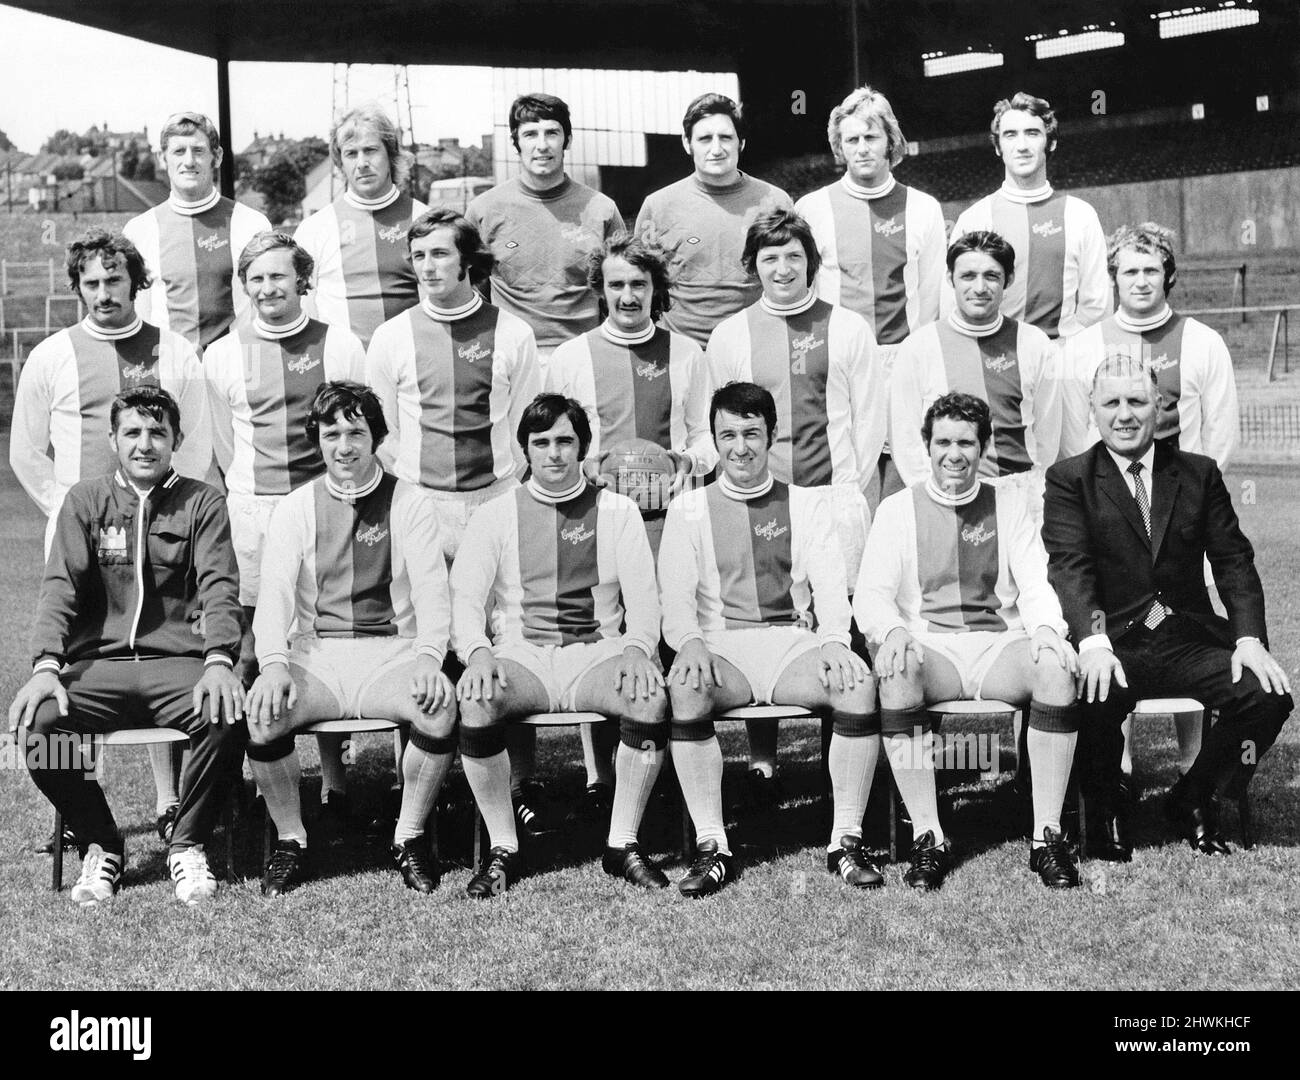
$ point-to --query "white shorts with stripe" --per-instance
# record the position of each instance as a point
(455, 508)
(560, 668)
(972, 652)
(359, 676)
(249, 517)
(762, 653)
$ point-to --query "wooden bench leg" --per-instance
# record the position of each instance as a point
(57, 883)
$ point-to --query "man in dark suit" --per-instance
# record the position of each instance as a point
(1127, 525)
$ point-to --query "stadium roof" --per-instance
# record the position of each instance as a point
(662, 34)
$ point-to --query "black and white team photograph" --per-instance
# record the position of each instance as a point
(731, 495)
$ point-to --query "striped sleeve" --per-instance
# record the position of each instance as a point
(885, 568)
(1091, 290)
(690, 421)
(416, 524)
(1044, 394)
(636, 574)
(292, 526)
(474, 573)
(30, 433)
(1220, 421)
(142, 231)
(818, 560)
(680, 552)
(181, 373)
(1027, 559)
(912, 386)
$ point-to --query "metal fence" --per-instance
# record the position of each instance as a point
(1271, 425)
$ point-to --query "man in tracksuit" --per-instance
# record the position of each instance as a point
(137, 626)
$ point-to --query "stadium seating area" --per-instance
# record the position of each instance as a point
(1090, 158)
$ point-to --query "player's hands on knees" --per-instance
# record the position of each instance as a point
(272, 694)
(891, 659)
(695, 666)
(224, 693)
(1047, 638)
(1248, 654)
(476, 682)
(430, 688)
(637, 675)
(42, 685)
(840, 669)
(1097, 667)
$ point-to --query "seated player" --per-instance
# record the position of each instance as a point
(978, 350)
(566, 572)
(357, 563)
(954, 594)
(137, 626)
(636, 381)
(64, 394)
(262, 378)
(742, 564)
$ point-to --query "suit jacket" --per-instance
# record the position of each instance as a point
(1102, 563)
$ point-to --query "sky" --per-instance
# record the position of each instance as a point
(56, 74)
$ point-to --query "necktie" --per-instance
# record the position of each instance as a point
(1156, 613)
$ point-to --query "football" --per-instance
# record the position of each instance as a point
(641, 470)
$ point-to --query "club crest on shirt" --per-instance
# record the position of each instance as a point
(770, 530)
(1048, 228)
(1163, 362)
(472, 351)
(111, 544)
(648, 369)
(300, 365)
(134, 373)
(391, 234)
(212, 242)
(888, 227)
(977, 534)
(803, 344)
(576, 534)
(1001, 362)
(370, 536)
(577, 235)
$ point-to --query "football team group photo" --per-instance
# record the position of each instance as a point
(793, 549)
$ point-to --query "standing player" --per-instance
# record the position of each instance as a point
(818, 362)
(742, 563)
(564, 572)
(1198, 393)
(978, 350)
(881, 243)
(193, 240)
(357, 564)
(358, 242)
(454, 375)
(542, 227)
(636, 381)
(1060, 281)
(954, 594)
(701, 221)
(137, 626)
(64, 396)
(262, 379)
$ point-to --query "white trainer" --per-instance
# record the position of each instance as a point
(194, 881)
(101, 874)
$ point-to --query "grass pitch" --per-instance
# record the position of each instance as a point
(1166, 921)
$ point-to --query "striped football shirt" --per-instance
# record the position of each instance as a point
(261, 383)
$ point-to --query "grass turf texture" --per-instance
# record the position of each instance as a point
(785, 924)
